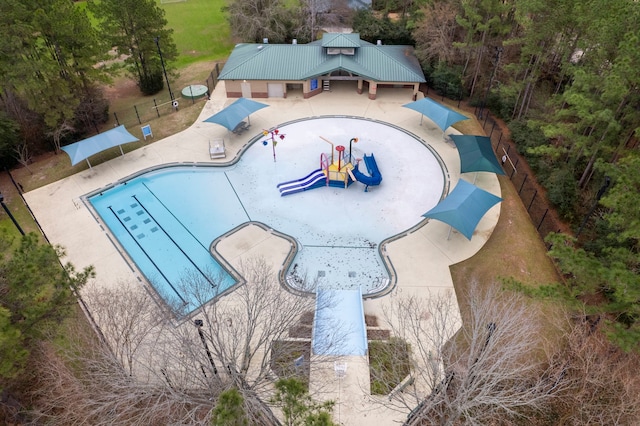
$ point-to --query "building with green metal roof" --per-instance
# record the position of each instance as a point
(269, 70)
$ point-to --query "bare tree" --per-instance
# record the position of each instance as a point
(253, 20)
(128, 317)
(86, 384)
(603, 384)
(57, 133)
(152, 362)
(492, 368)
(436, 33)
(251, 327)
(23, 154)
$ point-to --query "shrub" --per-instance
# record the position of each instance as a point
(562, 190)
(389, 364)
(526, 135)
(446, 81)
(499, 105)
(151, 83)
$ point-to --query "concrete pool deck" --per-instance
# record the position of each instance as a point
(421, 259)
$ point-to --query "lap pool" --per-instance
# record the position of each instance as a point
(167, 218)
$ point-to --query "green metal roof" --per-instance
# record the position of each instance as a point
(297, 62)
(341, 40)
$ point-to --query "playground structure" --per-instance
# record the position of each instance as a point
(374, 178)
(338, 172)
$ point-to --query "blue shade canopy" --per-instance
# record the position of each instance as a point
(476, 154)
(84, 149)
(441, 115)
(232, 115)
(464, 207)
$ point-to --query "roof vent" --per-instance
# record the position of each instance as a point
(260, 47)
(379, 43)
(294, 41)
(265, 40)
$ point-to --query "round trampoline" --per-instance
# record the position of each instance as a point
(194, 91)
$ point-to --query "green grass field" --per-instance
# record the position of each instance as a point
(200, 30)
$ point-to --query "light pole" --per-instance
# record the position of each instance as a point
(601, 191)
(164, 70)
(13, 219)
(198, 323)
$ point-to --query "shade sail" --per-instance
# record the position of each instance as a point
(84, 149)
(232, 115)
(476, 154)
(441, 115)
(464, 207)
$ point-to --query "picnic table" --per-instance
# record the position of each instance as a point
(240, 128)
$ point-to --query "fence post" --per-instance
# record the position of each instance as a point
(532, 198)
(156, 105)
(523, 181)
(116, 117)
(137, 115)
(542, 220)
(492, 127)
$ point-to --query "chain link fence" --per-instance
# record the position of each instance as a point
(146, 112)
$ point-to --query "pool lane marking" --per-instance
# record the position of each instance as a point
(135, 240)
(213, 285)
(237, 196)
(174, 216)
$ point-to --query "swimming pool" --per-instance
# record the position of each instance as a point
(166, 219)
(165, 222)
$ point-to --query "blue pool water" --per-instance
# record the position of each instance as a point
(167, 219)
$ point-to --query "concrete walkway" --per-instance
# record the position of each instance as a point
(421, 259)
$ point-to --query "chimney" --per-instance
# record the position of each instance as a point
(265, 40)
(294, 41)
(379, 43)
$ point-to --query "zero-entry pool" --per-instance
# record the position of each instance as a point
(167, 218)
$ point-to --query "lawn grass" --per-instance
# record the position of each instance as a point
(284, 356)
(389, 364)
(515, 251)
(200, 30)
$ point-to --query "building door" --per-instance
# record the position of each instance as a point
(275, 90)
(245, 86)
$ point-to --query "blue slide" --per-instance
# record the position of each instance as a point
(374, 178)
(315, 179)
